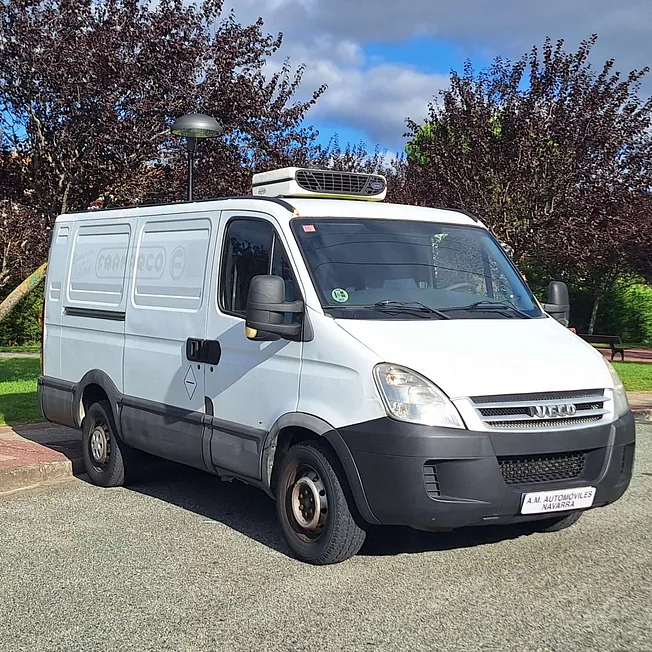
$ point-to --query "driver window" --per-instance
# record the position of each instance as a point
(252, 248)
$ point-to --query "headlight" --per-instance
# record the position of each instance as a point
(621, 404)
(410, 397)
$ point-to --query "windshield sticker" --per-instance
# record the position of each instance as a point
(309, 228)
(340, 295)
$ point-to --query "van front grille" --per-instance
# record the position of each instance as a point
(346, 183)
(544, 423)
(534, 469)
(543, 410)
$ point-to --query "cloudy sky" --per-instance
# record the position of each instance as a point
(384, 60)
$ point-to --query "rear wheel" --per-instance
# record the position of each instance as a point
(108, 461)
(554, 524)
(315, 516)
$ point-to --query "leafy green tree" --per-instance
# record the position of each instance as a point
(88, 89)
(553, 154)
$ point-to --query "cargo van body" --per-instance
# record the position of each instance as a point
(404, 375)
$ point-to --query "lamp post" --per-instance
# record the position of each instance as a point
(194, 127)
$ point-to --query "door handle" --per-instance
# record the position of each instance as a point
(211, 352)
(193, 349)
(206, 351)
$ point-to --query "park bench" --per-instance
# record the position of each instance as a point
(614, 342)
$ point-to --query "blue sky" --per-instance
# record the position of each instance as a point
(384, 60)
(423, 54)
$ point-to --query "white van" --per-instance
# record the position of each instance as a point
(362, 362)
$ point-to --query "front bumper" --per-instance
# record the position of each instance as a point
(441, 478)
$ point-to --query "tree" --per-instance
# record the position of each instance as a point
(88, 89)
(553, 154)
(23, 233)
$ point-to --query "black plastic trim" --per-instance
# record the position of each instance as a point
(57, 400)
(320, 428)
(457, 210)
(390, 457)
(55, 383)
(93, 313)
(170, 411)
(163, 430)
(236, 429)
(235, 447)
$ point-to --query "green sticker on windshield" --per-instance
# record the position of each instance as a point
(340, 295)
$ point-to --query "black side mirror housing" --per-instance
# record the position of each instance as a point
(266, 310)
(558, 305)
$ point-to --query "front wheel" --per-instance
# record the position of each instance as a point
(312, 507)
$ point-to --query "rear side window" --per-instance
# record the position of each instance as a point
(252, 248)
(98, 266)
(170, 264)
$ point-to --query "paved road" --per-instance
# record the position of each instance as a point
(196, 564)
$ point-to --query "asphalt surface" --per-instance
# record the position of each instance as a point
(191, 563)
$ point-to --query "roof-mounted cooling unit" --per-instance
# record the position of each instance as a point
(304, 182)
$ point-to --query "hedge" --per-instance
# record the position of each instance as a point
(22, 327)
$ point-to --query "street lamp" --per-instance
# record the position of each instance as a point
(194, 127)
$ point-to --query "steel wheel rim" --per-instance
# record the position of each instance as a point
(307, 503)
(99, 446)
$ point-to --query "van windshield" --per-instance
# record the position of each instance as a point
(399, 269)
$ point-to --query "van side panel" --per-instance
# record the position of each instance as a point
(94, 299)
(255, 382)
(163, 404)
(53, 295)
(337, 382)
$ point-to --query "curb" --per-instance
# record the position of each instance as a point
(642, 414)
(27, 464)
(32, 476)
(29, 477)
(27, 427)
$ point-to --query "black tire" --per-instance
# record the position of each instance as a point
(337, 536)
(554, 524)
(116, 466)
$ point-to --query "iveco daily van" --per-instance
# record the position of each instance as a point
(362, 362)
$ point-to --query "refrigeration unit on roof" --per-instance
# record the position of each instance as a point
(305, 182)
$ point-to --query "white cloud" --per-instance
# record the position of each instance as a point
(329, 37)
(375, 99)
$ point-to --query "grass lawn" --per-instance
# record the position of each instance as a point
(636, 376)
(20, 349)
(18, 393)
(19, 398)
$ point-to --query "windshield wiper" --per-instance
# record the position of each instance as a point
(490, 305)
(408, 306)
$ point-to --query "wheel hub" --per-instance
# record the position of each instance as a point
(99, 445)
(309, 502)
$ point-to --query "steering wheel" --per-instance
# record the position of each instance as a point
(457, 286)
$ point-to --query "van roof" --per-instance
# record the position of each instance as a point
(380, 210)
(288, 208)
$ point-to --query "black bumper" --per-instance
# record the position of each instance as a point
(440, 478)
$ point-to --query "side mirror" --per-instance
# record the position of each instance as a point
(558, 305)
(266, 309)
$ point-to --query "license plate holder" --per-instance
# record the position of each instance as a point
(557, 500)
